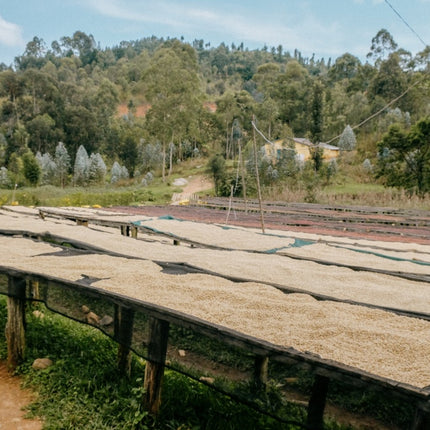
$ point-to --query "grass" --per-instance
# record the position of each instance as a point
(90, 196)
(123, 194)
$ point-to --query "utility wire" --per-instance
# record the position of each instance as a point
(380, 110)
(404, 21)
(404, 92)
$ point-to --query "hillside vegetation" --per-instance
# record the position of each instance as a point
(74, 114)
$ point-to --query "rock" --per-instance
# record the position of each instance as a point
(106, 320)
(85, 309)
(180, 182)
(207, 379)
(38, 314)
(92, 318)
(41, 363)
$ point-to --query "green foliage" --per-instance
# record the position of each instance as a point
(217, 169)
(32, 171)
(347, 139)
(404, 158)
(88, 196)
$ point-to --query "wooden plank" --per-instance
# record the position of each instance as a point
(154, 368)
(15, 326)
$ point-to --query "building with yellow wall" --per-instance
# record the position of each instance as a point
(303, 149)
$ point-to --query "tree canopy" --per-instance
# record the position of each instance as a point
(124, 101)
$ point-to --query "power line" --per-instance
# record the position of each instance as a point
(404, 21)
(398, 97)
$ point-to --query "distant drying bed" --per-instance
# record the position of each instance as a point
(375, 341)
(338, 282)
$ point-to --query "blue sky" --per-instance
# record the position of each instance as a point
(328, 28)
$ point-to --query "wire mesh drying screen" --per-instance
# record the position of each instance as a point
(189, 352)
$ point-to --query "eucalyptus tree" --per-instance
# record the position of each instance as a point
(81, 171)
(294, 96)
(173, 89)
(97, 169)
(404, 157)
(48, 168)
(62, 161)
(383, 44)
(31, 168)
(266, 78)
(347, 139)
(238, 106)
(345, 67)
(5, 181)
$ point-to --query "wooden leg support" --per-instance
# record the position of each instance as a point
(125, 230)
(261, 367)
(134, 232)
(15, 327)
(154, 369)
(123, 335)
(421, 418)
(317, 401)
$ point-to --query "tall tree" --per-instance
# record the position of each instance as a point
(347, 139)
(81, 171)
(383, 44)
(404, 158)
(32, 170)
(173, 89)
(62, 161)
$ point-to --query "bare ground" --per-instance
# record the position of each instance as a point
(12, 401)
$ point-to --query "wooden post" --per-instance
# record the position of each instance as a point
(124, 318)
(257, 176)
(261, 367)
(125, 230)
(422, 418)
(133, 231)
(316, 404)
(34, 289)
(15, 326)
(154, 369)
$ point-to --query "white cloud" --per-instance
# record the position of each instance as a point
(10, 34)
(302, 29)
(157, 12)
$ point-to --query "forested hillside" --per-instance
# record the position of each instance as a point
(74, 114)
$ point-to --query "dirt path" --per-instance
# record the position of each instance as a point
(194, 185)
(12, 400)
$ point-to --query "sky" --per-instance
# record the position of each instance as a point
(326, 28)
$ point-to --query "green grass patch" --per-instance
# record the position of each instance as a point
(89, 196)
